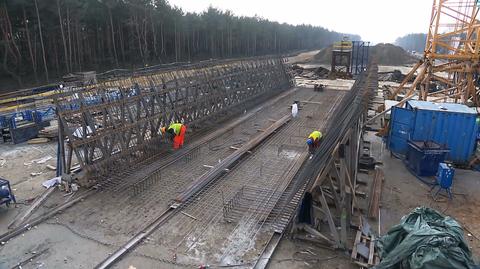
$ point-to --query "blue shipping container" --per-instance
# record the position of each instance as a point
(452, 125)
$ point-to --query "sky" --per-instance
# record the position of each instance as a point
(377, 21)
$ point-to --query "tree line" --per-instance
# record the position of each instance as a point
(41, 40)
(412, 42)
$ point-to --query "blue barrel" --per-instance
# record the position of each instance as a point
(423, 157)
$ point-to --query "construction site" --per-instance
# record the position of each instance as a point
(349, 155)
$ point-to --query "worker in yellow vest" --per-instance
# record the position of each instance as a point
(313, 141)
(176, 132)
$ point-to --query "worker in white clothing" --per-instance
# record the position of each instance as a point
(294, 109)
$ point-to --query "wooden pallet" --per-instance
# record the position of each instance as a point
(363, 252)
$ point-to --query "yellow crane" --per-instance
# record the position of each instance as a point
(451, 56)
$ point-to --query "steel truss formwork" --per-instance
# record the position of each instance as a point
(116, 124)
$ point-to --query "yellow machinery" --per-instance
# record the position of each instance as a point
(343, 45)
(341, 59)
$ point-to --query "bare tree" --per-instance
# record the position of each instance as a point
(41, 41)
(30, 49)
(63, 36)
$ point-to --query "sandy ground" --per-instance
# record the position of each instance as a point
(402, 192)
(293, 253)
(302, 57)
(19, 162)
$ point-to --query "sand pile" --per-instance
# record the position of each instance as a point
(388, 54)
(385, 54)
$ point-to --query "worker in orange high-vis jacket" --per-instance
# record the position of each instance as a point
(176, 132)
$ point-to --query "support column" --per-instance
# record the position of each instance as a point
(343, 197)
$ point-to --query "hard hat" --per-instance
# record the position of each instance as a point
(309, 141)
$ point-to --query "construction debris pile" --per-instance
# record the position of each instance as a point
(385, 54)
(394, 76)
(425, 239)
(310, 73)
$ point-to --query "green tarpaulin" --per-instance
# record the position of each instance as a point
(425, 239)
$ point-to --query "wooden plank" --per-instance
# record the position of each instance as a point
(321, 176)
(342, 178)
(331, 224)
(343, 210)
(316, 233)
(365, 171)
(375, 195)
(336, 199)
(311, 102)
(372, 250)
(51, 167)
(188, 215)
(361, 264)
(343, 225)
(41, 140)
(357, 240)
(348, 191)
(352, 189)
(22, 217)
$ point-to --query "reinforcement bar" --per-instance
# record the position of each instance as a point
(350, 111)
(191, 191)
(146, 171)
